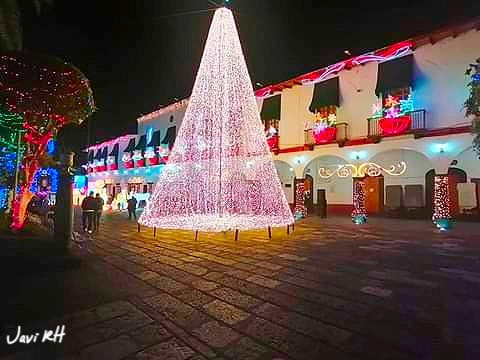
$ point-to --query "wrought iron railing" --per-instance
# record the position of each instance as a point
(340, 136)
(418, 122)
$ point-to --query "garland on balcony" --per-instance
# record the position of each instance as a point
(472, 104)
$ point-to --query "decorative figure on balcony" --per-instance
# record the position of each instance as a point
(272, 137)
(127, 160)
(395, 115)
(151, 156)
(324, 129)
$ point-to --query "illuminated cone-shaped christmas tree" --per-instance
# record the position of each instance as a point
(220, 174)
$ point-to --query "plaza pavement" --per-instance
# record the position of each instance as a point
(389, 289)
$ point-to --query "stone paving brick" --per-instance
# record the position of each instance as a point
(268, 265)
(150, 334)
(216, 335)
(147, 275)
(291, 257)
(169, 260)
(110, 350)
(303, 324)
(190, 340)
(168, 350)
(236, 298)
(106, 330)
(193, 269)
(247, 349)
(213, 276)
(166, 284)
(225, 312)
(263, 281)
(205, 285)
(240, 274)
(177, 311)
(194, 297)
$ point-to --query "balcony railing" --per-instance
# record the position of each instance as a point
(340, 136)
(418, 123)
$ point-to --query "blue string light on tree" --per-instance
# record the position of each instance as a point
(51, 174)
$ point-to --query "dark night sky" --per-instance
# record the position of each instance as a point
(138, 57)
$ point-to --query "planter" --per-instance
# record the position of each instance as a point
(326, 135)
(100, 168)
(139, 162)
(397, 125)
(152, 161)
(112, 167)
(128, 164)
(272, 142)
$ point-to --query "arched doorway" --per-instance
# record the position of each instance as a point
(286, 175)
(374, 194)
(309, 193)
(429, 189)
(338, 190)
(456, 176)
(417, 165)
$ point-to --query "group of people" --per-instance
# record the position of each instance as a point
(92, 212)
(92, 207)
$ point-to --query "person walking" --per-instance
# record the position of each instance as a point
(88, 212)
(98, 210)
(132, 208)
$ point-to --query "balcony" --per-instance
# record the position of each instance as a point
(417, 123)
(340, 136)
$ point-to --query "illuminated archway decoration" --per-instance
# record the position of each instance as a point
(362, 170)
(358, 172)
(51, 174)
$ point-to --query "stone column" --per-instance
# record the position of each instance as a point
(442, 202)
(359, 213)
(64, 202)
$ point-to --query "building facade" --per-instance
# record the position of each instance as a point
(391, 120)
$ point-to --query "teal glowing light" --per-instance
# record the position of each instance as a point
(359, 219)
(443, 224)
(442, 148)
(358, 155)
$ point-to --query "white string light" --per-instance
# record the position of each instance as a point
(220, 174)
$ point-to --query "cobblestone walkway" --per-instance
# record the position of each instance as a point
(330, 290)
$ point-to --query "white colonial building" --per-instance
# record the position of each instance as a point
(396, 113)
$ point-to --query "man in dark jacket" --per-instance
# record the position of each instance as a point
(132, 208)
(88, 211)
(98, 210)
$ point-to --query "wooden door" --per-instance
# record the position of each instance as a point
(374, 194)
(309, 193)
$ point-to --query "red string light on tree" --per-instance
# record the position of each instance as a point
(442, 202)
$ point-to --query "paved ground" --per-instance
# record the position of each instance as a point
(389, 289)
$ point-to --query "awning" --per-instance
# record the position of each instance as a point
(394, 74)
(104, 152)
(142, 143)
(99, 154)
(114, 151)
(170, 137)
(271, 108)
(325, 94)
(155, 141)
(131, 146)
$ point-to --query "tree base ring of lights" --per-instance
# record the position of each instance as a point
(359, 219)
(443, 224)
(215, 223)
